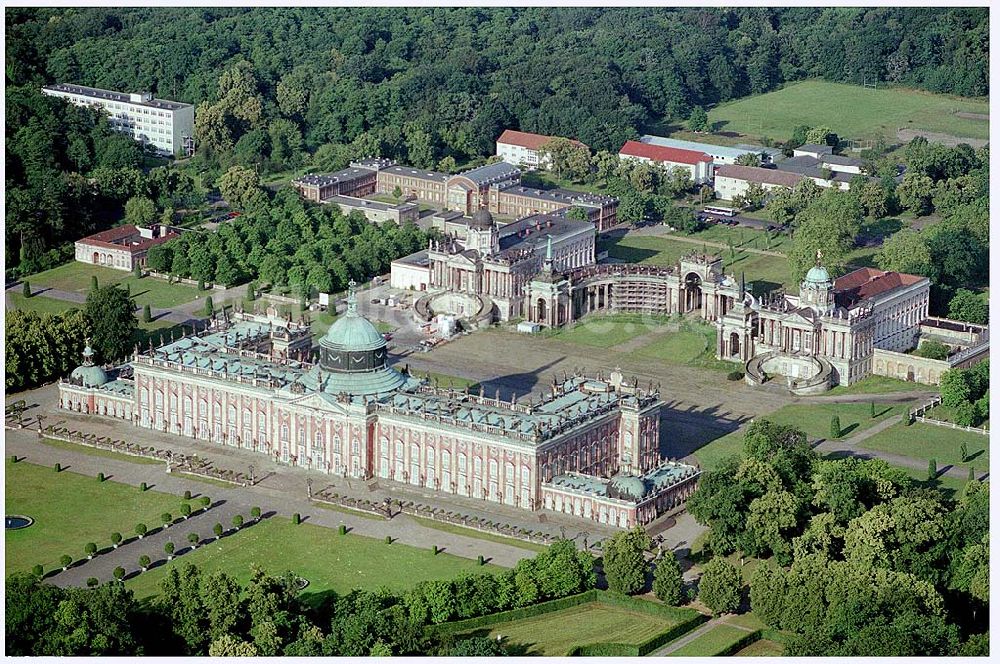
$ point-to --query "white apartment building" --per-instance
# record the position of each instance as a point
(168, 126)
(521, 148)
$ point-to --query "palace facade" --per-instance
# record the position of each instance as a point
(590, 446)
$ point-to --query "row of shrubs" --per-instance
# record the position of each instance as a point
(169, 547)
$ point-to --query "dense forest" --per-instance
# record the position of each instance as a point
(277, 89)
(446, 81)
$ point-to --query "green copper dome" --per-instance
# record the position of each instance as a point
(627, 485)
(352, 331)
(88, 373)
(818, 275)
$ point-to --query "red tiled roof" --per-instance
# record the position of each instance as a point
(114, 234)
(761, 175)
(660, 153)
(116, 238)
(868, 282)
(528, 140)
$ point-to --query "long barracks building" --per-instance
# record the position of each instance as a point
(590, 446)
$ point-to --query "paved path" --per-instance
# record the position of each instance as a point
(659, 231)
(677, 644)
(268, 494)
(187, 313)
(919, 396)
(852, 446)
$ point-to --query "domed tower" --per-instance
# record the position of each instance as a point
(483, 234)
(354, 354)
(89, 374)
(816, 291)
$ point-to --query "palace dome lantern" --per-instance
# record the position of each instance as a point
(88, 373)
(816, 291)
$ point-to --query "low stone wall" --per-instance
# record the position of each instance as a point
(910, 368)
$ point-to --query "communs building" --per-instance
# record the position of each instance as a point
(167, 126)
(524, 149)
(809, 161)
(588, 446)
(696, 163)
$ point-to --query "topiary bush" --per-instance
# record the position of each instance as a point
(342, 529)
(218, 530)
(734, 375)
(141, 530)
(57, 468)
(237, 522)
(193, 539)
(187, 495)
(100, 477)
(143, 486)
(296, 519)
(65, 561)
(38, 571)
(167, 519)
(92, 582)
(185, 510)
(116, 539)
(205, 501)
(144, 562)
(90, 549)
(168, 548)
(255, 512)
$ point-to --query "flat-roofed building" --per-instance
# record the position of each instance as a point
(122, 248)
(167, 126)
(376, 211)
(522, 148)
(698, 164)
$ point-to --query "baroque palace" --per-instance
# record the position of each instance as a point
(590, 446)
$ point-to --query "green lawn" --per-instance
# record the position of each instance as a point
(769, 271)
(40, 304)
(743, 237)
(692, 345)
(328, 560)
(472, 532)
(75, 277)
(554, 634)
(849, 110)
(877, 385)
(93, 451)
(813, 419)
(607, 331)
(447, 380)
(762, 648)
(926, 441)
(71, 510)
(713, 642)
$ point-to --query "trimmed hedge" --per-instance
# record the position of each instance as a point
(740, 645)
(649, 645)
(689, 619)
(515, 614)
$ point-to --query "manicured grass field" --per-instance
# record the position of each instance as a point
(849, 110)
(447, 380)
(877, 385)
(744, 237)
(472, 532)
(762, 648)
(607, 331)
(692, 345)
(75, 277)
(812, 418)
(555, 634)
(328, 560)
(93, 451)
(712, 642)
(40, 304)
(926, 441)
(71, 510)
